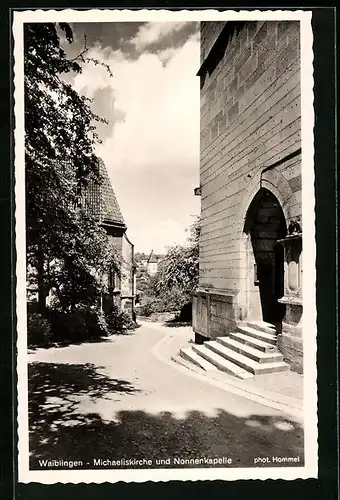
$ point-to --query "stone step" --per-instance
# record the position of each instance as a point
(196, 359)
(263, 326)
(252, 342)
(221, 363)
(250, 352)
(269, 338)
(243, 361)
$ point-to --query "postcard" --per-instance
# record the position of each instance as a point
(165, 241)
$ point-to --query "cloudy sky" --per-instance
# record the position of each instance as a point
(151, 142)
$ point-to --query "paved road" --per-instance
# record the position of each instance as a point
(119, 399)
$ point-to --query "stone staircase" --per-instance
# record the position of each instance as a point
(248, 352)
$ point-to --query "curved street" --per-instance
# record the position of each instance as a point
(124, 399)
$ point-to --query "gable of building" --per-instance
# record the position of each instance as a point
(152, 258)
(102, 201)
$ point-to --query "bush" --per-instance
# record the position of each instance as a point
(185, 314)
(78, 326)
(166, 302)
(66, 326)
(145, 309)
(82, 325)
(96, 324)
(38, 329)
(118, 321)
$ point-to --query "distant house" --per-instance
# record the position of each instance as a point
(152, 264)
(105, 208)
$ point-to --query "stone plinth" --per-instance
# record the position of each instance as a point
(214, 313)
(290, 341)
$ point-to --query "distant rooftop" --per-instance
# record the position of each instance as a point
(152, 258)
(102, 201)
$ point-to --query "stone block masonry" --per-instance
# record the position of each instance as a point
(250, 120)
(247, 124)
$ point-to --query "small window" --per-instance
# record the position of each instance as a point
(112, 279)
(256, 278)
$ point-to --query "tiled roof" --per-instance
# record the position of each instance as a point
(152, 258)
(102, 201)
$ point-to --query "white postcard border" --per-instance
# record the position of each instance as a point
(309, 252)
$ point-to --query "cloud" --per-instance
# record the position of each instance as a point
(113, 36)
(170, 231)
(150, 33)
(151, 144)
(167, 232)
(158, 95)
(149, 199)
(104, 106)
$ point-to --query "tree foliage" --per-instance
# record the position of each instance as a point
(177, 274)
(142, 278)
(66, 249)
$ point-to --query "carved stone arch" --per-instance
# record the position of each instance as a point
(276, 183)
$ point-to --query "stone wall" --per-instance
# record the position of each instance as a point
(127, 278)
(250, 120)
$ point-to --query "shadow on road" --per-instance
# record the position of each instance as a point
(67, 343)
(59, 431)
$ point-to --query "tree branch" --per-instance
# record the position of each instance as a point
(96, 62)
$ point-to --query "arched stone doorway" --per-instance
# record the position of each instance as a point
(265, 224)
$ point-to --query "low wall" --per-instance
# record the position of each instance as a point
(159, 317)
(213, 313)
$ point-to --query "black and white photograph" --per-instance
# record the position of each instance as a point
(165, 241)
